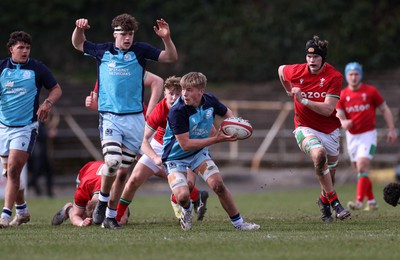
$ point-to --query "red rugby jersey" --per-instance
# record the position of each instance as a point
(315, 88)
(89, 182)
(360, 106)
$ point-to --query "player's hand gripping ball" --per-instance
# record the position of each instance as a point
(237, 126)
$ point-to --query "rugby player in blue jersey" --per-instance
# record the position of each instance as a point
(20, 83)
(186, 142)
(121, 67)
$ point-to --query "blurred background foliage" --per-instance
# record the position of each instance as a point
(228, 40)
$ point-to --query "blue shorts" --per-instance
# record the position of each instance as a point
(126, 129)
(191, 162)
(17, 138)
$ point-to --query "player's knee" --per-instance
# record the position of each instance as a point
(219, 187)
(312, 143)
(128, 157)
(15, 184)
(182, 196)
(13, 173)
(207, 169)
(320, 159)
(190, 185)
(177, 180)
(182, 199)
(112, 157)
(362, 167)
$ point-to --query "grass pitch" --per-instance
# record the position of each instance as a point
(290, 229)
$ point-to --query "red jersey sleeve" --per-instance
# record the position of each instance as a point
(157, 120)
(289, 71)
(377, 98)
(96, 87)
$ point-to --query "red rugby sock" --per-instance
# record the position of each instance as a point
(362, 187)
(194, 196)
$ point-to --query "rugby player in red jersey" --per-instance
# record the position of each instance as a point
(315, 87)
(357, 112)
(85, 198)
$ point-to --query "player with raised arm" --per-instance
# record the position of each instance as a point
(186, 142)
(315, 86)
(121, 67)
(357, 113)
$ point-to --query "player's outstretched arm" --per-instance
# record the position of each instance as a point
(228, 114)
(78, 35)
(44, 110)
(146, 147)
(169, 54)
(189, 144)
(388, 116)
(76, 216)
(156, 85)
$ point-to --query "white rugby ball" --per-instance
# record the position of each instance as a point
(237, 126)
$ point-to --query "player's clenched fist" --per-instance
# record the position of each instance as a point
(82, 24)
(91, 101)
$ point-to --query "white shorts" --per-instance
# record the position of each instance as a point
(329, 141)
(17, 138)
(361, 145)
(157, 147)
(126, 129)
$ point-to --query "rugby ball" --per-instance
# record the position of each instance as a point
(237, 126)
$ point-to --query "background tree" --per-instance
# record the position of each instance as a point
(228, 40)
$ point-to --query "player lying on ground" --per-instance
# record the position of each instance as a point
(86, 196)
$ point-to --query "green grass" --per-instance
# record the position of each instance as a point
(290, 229)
